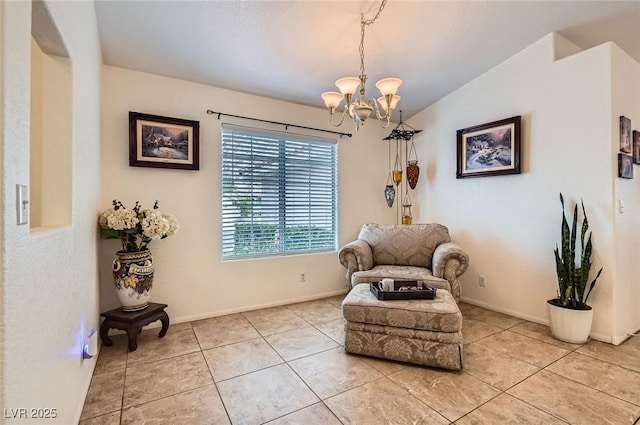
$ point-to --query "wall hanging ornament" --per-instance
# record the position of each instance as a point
(406, 209)
(389, 190)
(397, 168)
(413, 171)
(401, 135)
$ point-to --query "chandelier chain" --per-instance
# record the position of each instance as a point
(371, 21)
(363, 24)
(357, 106)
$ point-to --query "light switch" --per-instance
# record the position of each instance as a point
(22, 203)
(620, 206)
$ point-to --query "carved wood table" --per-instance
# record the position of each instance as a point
(132, 322)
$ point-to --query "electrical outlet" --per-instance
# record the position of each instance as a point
(303, 277)
(481, 281)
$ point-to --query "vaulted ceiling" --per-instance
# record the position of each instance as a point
(295, 50)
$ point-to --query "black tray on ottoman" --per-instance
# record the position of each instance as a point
(420, 293)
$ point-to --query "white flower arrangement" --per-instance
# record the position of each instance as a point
(136, 227)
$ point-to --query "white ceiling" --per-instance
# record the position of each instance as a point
(295, 50)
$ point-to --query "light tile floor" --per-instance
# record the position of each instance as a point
(287, 365)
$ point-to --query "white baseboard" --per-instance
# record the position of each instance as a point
(209, 315)
(619, 339)
(256, 307)
(596, 336)
(505, 311)
(87, 383)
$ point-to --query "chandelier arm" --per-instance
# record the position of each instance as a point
(331, 115)
(376, 107)
(384, 123)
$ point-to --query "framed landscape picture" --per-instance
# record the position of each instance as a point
(490, 149)
(625, 166)
(163, 142)
(636, 147)
(625, 134)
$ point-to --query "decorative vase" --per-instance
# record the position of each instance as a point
(413, 172)
(133, 278)
(390, 194)
(568, 324)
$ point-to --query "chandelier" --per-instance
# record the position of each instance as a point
(359, 109)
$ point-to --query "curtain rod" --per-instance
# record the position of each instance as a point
(286, 126)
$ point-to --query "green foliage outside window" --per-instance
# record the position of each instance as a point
(260, 238)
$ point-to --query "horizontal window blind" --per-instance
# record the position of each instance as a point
(278, 193)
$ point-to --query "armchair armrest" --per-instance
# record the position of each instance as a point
(355, 256)
(449, 262)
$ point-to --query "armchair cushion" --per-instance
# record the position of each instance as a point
(404, 245)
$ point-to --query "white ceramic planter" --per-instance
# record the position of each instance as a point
(570, 325)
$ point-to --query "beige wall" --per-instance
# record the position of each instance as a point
(49, 279)
(51, 148)
(625, 73)
(190, 274)
(510, 224)
(35, 142)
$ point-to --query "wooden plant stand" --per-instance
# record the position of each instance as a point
(132, 323)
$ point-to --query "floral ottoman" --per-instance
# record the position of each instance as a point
(426, 332)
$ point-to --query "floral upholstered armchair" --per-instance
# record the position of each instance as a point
(405, 252)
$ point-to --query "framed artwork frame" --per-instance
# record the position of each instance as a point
(163, 142)
(490, 149)
(636, 147)
(625, 166)
(625, 134)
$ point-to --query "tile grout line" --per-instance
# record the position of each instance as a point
(122, 407)
(594, 388)
(536, 407)
(169, 396)
(213, 381)
(321, 400)
(286, 362)
(314, 326)
(606, 361)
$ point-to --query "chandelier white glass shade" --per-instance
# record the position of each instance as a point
(357, 106)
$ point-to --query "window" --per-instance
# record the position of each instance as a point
(278, 193)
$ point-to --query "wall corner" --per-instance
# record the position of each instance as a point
(562, 47)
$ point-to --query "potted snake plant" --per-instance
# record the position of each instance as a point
(569, 314)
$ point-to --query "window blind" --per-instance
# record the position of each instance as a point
(278, 193)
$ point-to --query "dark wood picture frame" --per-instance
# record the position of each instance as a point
(625, 166)
(163, 142)
(625, 134)
(636, 147)
(491, 149)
